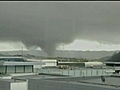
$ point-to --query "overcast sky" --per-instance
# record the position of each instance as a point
(50, 24)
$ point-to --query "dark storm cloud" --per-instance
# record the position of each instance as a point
(48, 24)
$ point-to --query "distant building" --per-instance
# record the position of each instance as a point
(15, 59)
(17, 65)
(116, 66)
(112, 64)
(48, 62)
(81, 64)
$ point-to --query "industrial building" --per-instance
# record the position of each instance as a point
(112, 64)
(17, 65)
(48, 62)
(15, 59)
(54, 81)
(81, 64)
(41, 81)
(115, 65)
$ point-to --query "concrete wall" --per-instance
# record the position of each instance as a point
(4, 85)
(10, 69)
(37, 66)
(5, 77)
(51, 85)
(22, 74)
(18, 69)
(18, 86)
(28, 69)
(48, 62)
(79, 64)
(2, 69)
(93, 64)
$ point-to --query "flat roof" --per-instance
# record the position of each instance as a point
(70, 62)
(20, 63)
(11, 80)
(112, 62)
(11, 57)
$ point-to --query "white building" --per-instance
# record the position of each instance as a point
(48, 62)
(10, 84)
(81, 64)
(93, 64)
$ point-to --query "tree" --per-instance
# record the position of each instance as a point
(115, 57)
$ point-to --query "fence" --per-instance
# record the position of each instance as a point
(78, 72)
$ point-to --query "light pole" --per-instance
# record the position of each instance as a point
(22, 50)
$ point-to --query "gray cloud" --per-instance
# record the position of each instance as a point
(48, 24)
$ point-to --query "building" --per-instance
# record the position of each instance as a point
(10, 84)
(81, 64)
(15, 59)
(48, 62)
(10, 65)
(116, 64)
(59, 82)
(93, 64)
(42, 81)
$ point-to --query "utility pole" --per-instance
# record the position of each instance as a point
(22, 51)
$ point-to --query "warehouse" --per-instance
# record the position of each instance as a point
(81, 64)
(17, 65)
(15, 59)
(48, 62)
(112, 64)
(93, 64)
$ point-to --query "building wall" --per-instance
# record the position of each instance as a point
(19, 69)
(28, 69)
(4, 85)
(112, 64)
(16, 69)
(51, 85)
(18, 86)
(6, 77)
(72, 64)
(2, 69)
(10, 69)
(37, 66)
(93, 64)
(48, 62)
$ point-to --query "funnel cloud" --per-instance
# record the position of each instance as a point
(49, 24)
